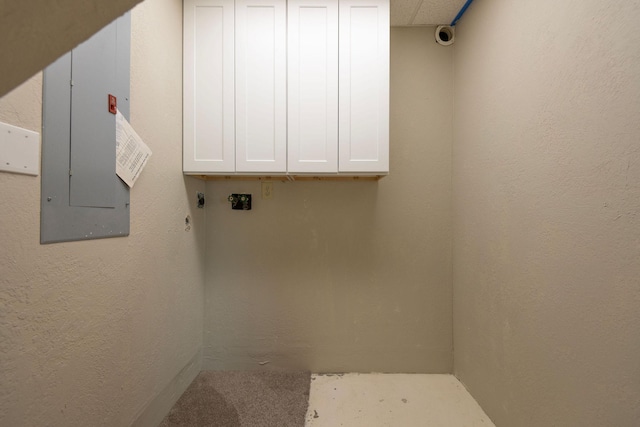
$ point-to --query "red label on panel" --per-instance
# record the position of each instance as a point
(113, 104)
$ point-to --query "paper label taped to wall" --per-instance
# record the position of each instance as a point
(132, 153)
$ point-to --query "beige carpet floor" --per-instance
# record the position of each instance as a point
(242, 399)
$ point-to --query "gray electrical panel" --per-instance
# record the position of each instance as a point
(82, 197)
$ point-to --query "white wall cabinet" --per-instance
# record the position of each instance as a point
(307, 91)
(208, 86)
(261, 86)
(364, 85)
(313, 86)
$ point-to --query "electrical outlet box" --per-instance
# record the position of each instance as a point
(241, 202)
(267, 190)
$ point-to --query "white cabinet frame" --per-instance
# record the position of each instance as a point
(277, 87)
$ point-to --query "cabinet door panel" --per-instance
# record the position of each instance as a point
(364, 86)
(313, 86)
(261, 141)
(209, 123)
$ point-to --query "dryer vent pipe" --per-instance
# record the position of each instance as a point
(445, 34)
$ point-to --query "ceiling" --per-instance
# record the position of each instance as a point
(424, 12)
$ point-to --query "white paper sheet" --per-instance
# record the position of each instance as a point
(132, 153)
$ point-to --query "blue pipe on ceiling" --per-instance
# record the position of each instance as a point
(459, 15)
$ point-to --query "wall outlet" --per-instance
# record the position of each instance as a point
(267, 190)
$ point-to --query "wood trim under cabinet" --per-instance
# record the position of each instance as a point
(285, 178)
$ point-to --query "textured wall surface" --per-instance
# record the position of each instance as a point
(345, 276)
(92, 332)
(36, 32)
(547, 211)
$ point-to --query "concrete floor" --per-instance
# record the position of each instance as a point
(398, 400)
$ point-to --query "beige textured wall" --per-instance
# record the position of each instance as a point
(345, 276)
(546, 211)
(92, 332)
(37, 32)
